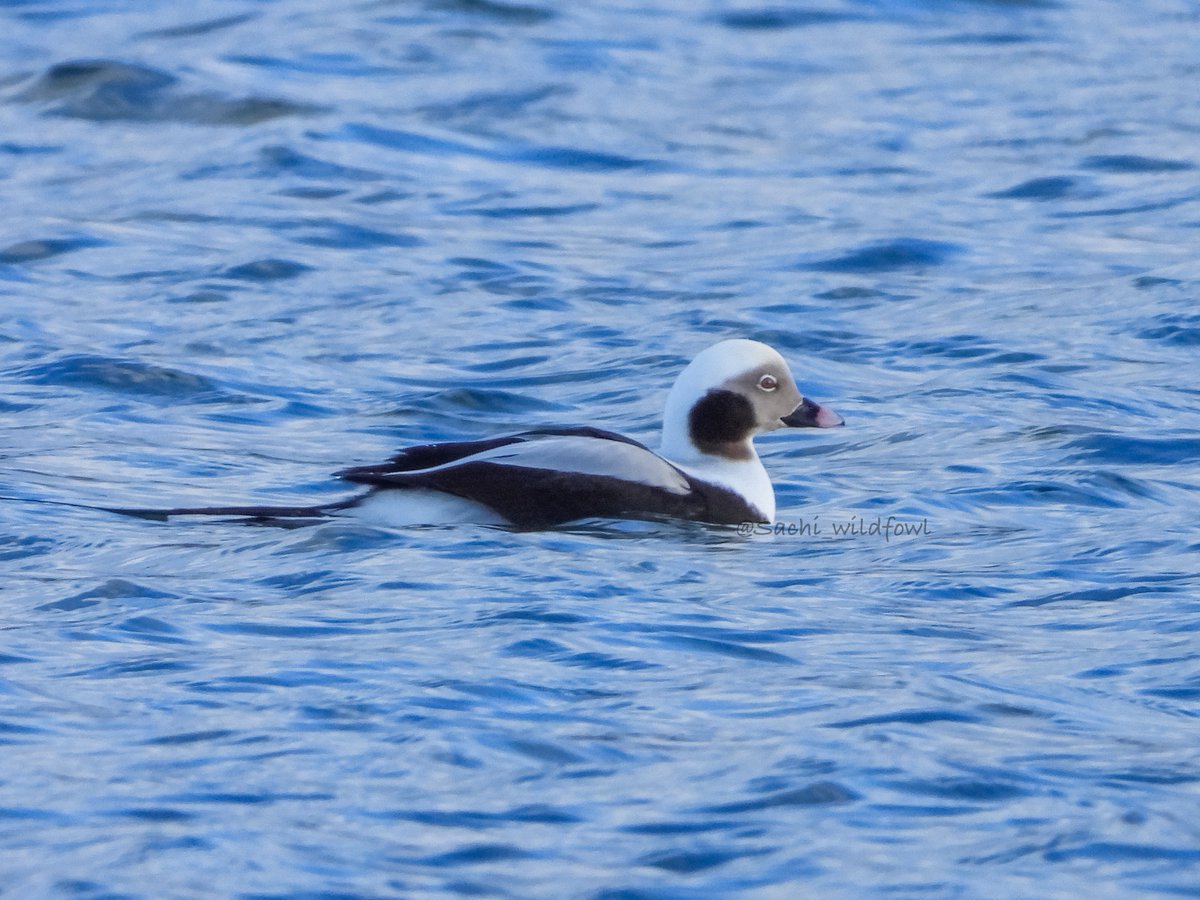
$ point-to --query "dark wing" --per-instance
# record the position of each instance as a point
(424, 456)
(585, 431)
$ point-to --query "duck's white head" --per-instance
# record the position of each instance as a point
(731, 392)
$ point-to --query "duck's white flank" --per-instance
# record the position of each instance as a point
(417, 506)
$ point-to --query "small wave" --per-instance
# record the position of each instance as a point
(522, 212)
(279, 158)
(483, 400)
(124, 376)
(266, 270)
(888, 256)
(1034, 493)
(1177, 329)
(961, 789)
(343, 236)
(510, 13)
(550, 157)
(686, 862)
(1130, 164)
(1123, 449)
(1053, 187)
(820, 793)
(537, 648)
(909, 717)
(477, 854)
(115, 91)
(45, 248)
(1087, 595)
(779, 18)
(197, 29)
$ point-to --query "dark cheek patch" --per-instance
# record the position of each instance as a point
(720, 422)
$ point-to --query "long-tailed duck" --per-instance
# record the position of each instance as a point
(707, 469)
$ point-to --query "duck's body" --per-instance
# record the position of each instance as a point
(707, 469)
(538, 479)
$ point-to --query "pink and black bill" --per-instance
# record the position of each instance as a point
(812, 415)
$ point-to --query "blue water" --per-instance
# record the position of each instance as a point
(247, 243)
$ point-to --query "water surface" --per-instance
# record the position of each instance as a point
(250, 244)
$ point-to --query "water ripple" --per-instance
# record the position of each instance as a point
(126, 377)
(247, 246)
(888, 256)
(116, 91)
(572, 158)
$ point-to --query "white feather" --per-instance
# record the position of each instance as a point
(419, 506)
(712, 368)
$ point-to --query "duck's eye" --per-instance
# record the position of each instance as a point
(768, 382)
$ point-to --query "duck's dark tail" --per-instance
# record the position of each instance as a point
(257, 513)
(239, 512)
